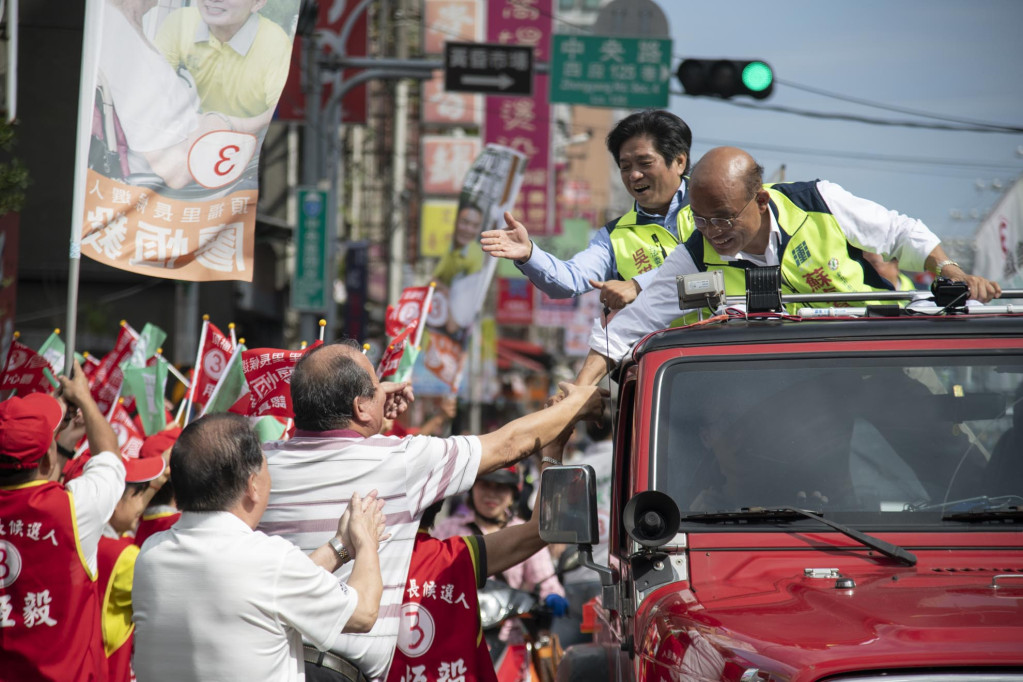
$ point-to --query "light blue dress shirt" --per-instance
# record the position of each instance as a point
(562, 279)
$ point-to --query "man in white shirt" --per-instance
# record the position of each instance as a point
(339, 408)
(214, 599)
(737, 218)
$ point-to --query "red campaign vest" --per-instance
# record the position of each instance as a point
(49, 608)
(439, 636)
(119, 661)
(150, 525)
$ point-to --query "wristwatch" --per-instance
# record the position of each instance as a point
(342, 552)
(941, 266)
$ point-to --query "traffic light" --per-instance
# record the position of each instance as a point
(726, 77)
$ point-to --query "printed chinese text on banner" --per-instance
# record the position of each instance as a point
(128, 439)
(106, 381)
(408, 309)
(268, 373)
(524, 123)
(177, 122)
(24, 371)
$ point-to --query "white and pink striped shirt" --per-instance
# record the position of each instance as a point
(313, 477)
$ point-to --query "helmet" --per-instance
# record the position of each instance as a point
(507, 476)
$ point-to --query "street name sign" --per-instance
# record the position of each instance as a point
(488, 68)
(604, 71)
(309, 291)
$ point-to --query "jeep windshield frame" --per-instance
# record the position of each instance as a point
(876, 437)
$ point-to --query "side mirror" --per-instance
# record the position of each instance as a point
(568, 505)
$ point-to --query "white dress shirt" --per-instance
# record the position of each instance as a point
(866, 224)
(215, 600)
(96, 492)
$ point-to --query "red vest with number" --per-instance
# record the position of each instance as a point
(439, 636)
(118, 637)
(49, 607)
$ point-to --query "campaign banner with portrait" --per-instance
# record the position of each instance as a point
(184, 94)
(463, 275)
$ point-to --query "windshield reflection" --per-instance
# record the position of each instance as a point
(889, 437)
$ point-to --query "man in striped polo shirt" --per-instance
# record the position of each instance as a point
(339, 407)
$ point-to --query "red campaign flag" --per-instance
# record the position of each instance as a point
(445, 357)
(129, 440)
(395, 349)
(106, 381)
(268, 373)
(216, 351)
(407, 311)
(90, 366)
(24, 371)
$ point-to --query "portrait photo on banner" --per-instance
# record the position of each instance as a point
(184, 94)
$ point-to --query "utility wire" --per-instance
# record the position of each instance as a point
(966, 128)
(900, 110)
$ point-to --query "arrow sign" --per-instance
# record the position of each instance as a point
(488, 68)
(501, 82)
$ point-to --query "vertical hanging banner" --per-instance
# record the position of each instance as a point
(524, 123)
(464, 274)
(999, 241)
(182, 102)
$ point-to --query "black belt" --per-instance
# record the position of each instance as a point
(331, 661)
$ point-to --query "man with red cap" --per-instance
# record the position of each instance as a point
(162, 513)
(49, 606)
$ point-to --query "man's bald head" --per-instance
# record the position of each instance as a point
(728, 202)
(727, 169)
(325, 384)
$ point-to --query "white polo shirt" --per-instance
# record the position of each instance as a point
(215, 600)
(313, 476)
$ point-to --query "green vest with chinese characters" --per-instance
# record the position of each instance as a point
(814, 253)
(642, 247)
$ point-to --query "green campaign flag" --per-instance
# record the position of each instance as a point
(405, 365)
(150, 339)
(231, 387)
(147, 385)
(269, 428)
(53, 351)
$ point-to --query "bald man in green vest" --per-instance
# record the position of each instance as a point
(816, 231)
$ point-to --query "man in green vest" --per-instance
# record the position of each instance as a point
(816, 231)
(651, 149)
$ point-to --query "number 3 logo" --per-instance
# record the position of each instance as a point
(416, 631)
(219, 158)
(10, 563)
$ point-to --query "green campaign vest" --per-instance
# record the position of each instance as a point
(640, 248)
(815, 255)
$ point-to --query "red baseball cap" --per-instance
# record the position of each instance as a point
(160, 441)
(142, 469)
(136, 469)
(27, 428)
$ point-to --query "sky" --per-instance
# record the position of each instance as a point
(950, 58)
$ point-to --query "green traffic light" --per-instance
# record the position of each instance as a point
(757, 76)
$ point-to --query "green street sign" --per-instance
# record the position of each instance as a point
(626, 73)
(309, 291)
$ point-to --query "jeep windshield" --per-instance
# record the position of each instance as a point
(884, 442)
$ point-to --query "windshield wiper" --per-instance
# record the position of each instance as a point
(978, 503)
(764, 514)
(999, 514)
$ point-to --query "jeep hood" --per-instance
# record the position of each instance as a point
(804, 628)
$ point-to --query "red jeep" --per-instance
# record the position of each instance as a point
(810, 499)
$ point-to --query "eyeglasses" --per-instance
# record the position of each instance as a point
(720, 223)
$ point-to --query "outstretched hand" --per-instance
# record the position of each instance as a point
(510, 242)
(594, 399)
